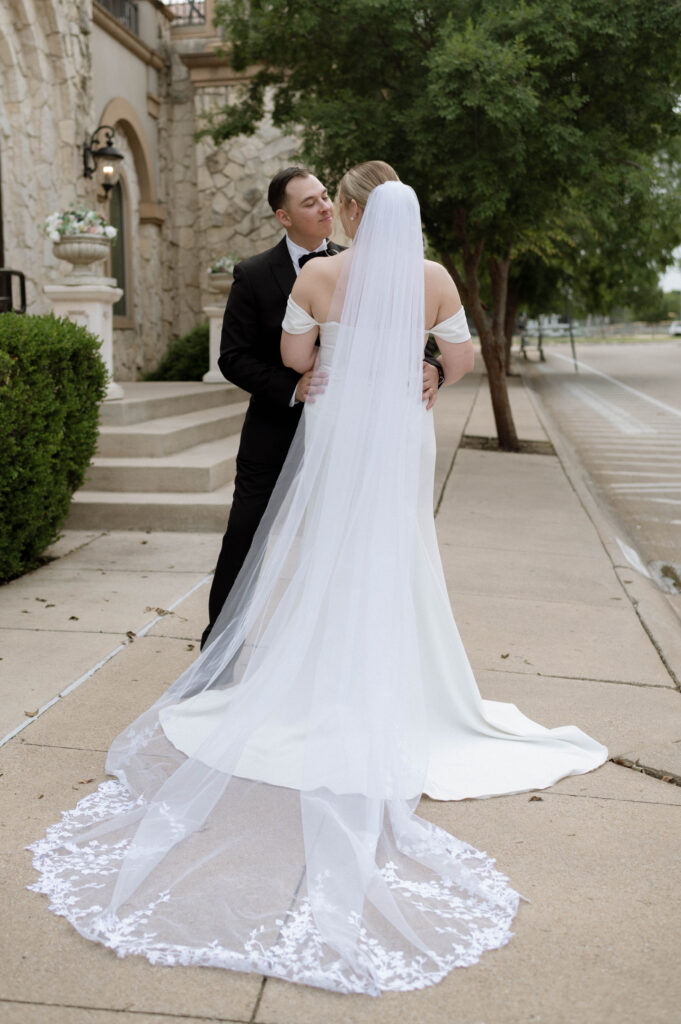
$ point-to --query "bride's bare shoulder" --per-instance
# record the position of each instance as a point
(438, 280)
(435, 271)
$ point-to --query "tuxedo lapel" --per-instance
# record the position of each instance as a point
(281, 266)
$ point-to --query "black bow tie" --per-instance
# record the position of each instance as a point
(311, 255)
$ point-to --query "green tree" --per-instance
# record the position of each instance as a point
(611, 244)
(498, 111)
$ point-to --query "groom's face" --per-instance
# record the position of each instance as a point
(308, 212)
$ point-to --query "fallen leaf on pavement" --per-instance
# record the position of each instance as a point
(535, 798)
(73, 618)
(31, 714)
(505, 655)
(131, 634)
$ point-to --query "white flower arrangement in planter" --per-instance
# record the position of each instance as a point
(77, 221)
(223, 265)
(220, 274)
(80, 237)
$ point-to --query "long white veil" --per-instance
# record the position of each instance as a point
(281, 837)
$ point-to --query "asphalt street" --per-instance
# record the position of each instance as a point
(621, 412)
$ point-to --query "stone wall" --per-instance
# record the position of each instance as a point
(180, 273)
(212, 201)
(232, 185)
(45, 106)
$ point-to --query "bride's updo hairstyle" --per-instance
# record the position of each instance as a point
(360, 181)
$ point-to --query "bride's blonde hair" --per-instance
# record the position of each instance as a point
(360, 181)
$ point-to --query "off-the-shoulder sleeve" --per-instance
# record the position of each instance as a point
(454, 329)
(296, 320)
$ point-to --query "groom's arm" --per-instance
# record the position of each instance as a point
(241, 346)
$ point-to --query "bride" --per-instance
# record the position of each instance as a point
(262, 816)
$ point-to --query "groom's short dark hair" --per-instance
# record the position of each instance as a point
(276, 193)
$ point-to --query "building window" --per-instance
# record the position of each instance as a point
(119, 249)
(124, 11)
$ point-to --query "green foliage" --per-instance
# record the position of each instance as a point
(186, 358)
(493, 109)
(515, 120)
(52, 379)
(656, 307)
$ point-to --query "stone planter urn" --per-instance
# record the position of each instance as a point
(221, 283)
(83, 252)
(86, 296)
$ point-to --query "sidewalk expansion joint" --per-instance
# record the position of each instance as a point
(657, 773)
(132, 635)
(578, 679)
(656, 644)
(612, 799)
(453, 460)
(163, 1015)
(261, 991)
(61, 746)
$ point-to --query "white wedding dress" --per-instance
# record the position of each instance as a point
(465, 755)
(262, 818)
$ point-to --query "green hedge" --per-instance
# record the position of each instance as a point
(52, 379)
(187, 358)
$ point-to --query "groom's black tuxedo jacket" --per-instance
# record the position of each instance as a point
(250, 353)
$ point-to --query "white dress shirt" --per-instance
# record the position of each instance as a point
(296, 251)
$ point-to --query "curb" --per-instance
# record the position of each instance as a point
(656, 615)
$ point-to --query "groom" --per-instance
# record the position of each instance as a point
(250, 357)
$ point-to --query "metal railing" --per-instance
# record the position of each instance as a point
(8, 303)
(188, 12)
(124, 11)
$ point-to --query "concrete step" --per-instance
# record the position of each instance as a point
(189, 513)
(170, 434)
(204, 467)
(148, 400)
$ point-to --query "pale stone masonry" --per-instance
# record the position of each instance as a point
(67, 66)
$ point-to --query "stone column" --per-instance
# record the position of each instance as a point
(90, 305)
(215, 315)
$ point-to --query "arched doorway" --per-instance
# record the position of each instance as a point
(119, 217)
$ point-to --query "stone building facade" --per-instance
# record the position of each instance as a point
(148, 69)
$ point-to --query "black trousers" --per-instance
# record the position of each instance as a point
(262, 452)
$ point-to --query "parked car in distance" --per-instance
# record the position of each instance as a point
(675, 329)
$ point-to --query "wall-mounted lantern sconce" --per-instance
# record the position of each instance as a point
(101, 159)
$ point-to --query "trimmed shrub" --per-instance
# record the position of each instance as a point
(187, 358)
(52, 379)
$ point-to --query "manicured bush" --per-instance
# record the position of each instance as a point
(186, 358)
(52, 379)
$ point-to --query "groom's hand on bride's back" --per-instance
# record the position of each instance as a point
(310, 384)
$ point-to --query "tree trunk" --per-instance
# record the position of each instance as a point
(492, 341)
(512, 303)
(496, 361)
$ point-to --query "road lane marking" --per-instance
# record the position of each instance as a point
(622, 421)
(626, 387)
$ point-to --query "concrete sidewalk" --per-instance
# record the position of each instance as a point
(89, 640)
